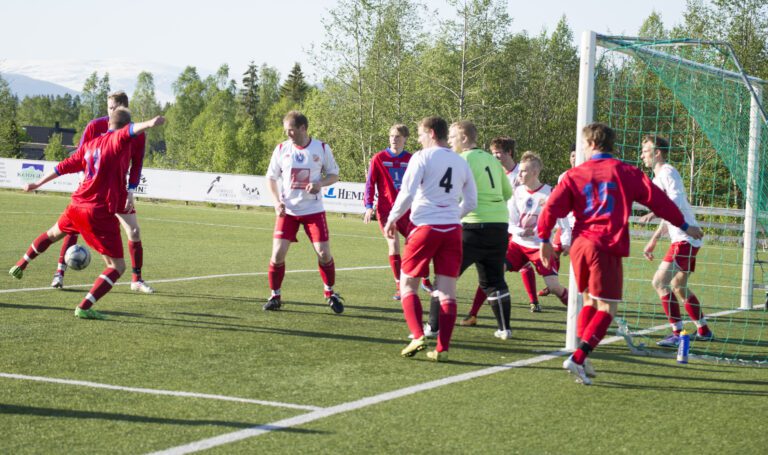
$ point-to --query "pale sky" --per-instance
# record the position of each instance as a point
(206, 34)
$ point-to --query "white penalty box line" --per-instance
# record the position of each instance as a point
(172, 393)
(202, 277)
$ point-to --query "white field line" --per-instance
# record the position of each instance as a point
(290, 422)
(195, 278)
(172, 393)
(197, 223)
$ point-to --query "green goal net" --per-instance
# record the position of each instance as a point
(696, 95)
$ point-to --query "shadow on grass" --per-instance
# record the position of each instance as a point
(73, 414)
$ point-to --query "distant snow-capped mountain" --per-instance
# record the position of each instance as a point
(23, 86)
(72, 74)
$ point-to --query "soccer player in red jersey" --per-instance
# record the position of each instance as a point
(600, 192)
(102, 193)
(671, 278)
(303, 166)
(127, 214)
(439, 189)
(384, 179)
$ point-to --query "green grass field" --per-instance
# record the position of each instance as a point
(310, 381)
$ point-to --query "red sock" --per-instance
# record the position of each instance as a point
(593, 334)
(672, 310)
(328, 274)
(585, 316)
(413, 314)
(275, 275)
(101, 286)
(529, 282)
(480, 297)
(394, 262)
(447, 318)
(693, 308)
(41, 243)
(69, 240)
(137, 259)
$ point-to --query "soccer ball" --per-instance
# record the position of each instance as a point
(77, 257)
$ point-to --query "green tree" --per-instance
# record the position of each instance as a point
(144, 106)
(295, 87)
(249, 94)
(93, 101)
(10, 135)
(189, 93)
(54, 151)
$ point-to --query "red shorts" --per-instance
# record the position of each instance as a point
(439, 243)
(518, 256)
(404, 225)
(597, 272)
(315, 226)
(99, 228)
(682, 254)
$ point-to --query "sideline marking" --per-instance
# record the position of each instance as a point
(172, 393)
(195, 278)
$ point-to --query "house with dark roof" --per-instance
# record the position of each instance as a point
(39, 136)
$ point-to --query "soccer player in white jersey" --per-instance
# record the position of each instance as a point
(671, 278)
(439, 189)
(561, 242)
(300, 167)
(529, 198)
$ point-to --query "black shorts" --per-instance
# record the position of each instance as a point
(485, 245)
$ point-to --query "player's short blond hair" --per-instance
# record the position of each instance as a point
(533, 158)
(468, 129)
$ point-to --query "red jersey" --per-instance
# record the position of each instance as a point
(385, 177)
(104, 161)
(600, 192)
(99, 126)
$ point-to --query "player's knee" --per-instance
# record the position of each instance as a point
(134, 233)
(658, 282)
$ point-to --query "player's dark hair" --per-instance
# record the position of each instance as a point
(436, 124)
(119, 118)
(401, 129)
(659, 143)
(119, 97)
(601, 135)
(297, 119)
(573, 147)
(504, 143)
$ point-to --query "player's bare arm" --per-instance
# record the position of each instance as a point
(315, 187)
(278, 202)
(651, 245)
(33, 186)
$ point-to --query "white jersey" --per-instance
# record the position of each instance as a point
(438, 187)
(513, 180)
(524, 216)
(295, 167)
(668, 179)
(571, 219)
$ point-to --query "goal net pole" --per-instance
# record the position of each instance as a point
(751, 209)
